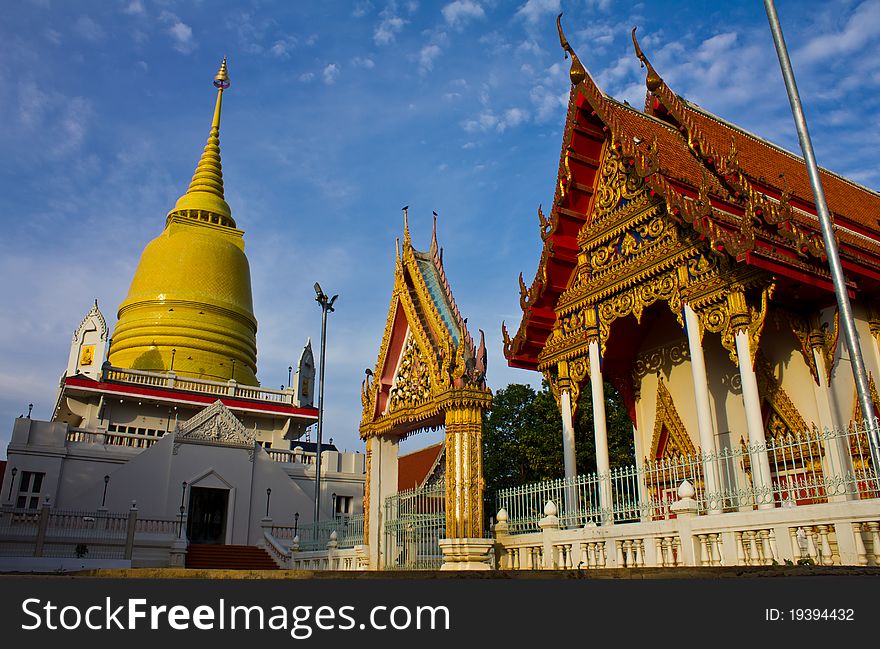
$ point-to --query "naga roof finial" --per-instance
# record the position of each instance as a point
(653, 81)
(577, 72)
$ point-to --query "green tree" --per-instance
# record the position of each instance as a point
(522, 437)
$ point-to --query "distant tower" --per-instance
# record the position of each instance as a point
(304, 381)
(89, 346)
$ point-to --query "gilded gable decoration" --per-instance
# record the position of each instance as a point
(678, 442)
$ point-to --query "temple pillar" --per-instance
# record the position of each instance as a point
(705, 423)
(381, 483)
(837, 461)
(568, 454)
(464, 547)
(600, 430)
(760, 464)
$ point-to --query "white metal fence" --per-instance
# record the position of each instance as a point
(315, 536)
(415, 521)
(805, 468)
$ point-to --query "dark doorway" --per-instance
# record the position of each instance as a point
(207, 515)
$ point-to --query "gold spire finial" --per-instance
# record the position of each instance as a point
(577, 72)
(221, 79)
(653, 81)
(406, 237)
(205, 193)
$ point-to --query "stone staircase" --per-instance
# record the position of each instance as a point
(229, 557)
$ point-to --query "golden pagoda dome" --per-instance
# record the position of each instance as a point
(189, 308)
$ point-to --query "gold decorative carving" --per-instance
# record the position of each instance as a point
(412, 383)
(658, 359)
(616, 187)
(857, 407)
(785, 415)
(734, 315)
(679, 441)
(812, 334)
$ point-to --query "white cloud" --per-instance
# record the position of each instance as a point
(862, 26)
(181, 33)
(461, 12)
(361, 9)
(427, 55)
(489, 121)
(88, 29)
(281, 48)
(363, 62)
(54, 116)
(32, 104)
(305, 77)
(52, 36)
(330, 73)
(529, 46)
(135, 8)
(547, 104)
(535, 10)
(514, 117)
(390, 24)
(601, 5)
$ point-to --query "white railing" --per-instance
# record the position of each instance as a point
(168, 380)
(290, 457)
(97, 534)
(835, 533)
(83, 436)
(283, 545)
(807, 468)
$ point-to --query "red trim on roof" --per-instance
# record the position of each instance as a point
(180, 395)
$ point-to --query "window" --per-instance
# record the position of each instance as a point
(29, 488)
(343, 504)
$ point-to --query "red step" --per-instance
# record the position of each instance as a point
(229, 557)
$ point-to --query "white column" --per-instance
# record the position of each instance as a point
(760, 464)
(383, 483)
(600, 429)
(838, 461)
(567, 434)
(705, 425)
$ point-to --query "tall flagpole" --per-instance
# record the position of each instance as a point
(846, 316)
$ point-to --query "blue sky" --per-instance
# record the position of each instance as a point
(339, 114)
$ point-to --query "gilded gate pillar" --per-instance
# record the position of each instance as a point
(464, 547)
(464, 473)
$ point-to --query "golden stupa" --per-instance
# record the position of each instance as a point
(189, 309)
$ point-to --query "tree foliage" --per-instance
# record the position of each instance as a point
(522, 436)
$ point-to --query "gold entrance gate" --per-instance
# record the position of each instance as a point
(429, 375)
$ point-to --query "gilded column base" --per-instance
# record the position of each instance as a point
(466, 554)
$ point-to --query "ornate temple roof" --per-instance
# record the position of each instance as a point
(427, 353)
(747, 198)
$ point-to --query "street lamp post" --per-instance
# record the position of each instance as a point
(295, 522)
(182, 509)
(11, 482)
(850, 336)
(268, 495)
(104, 497)
(326, 307)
